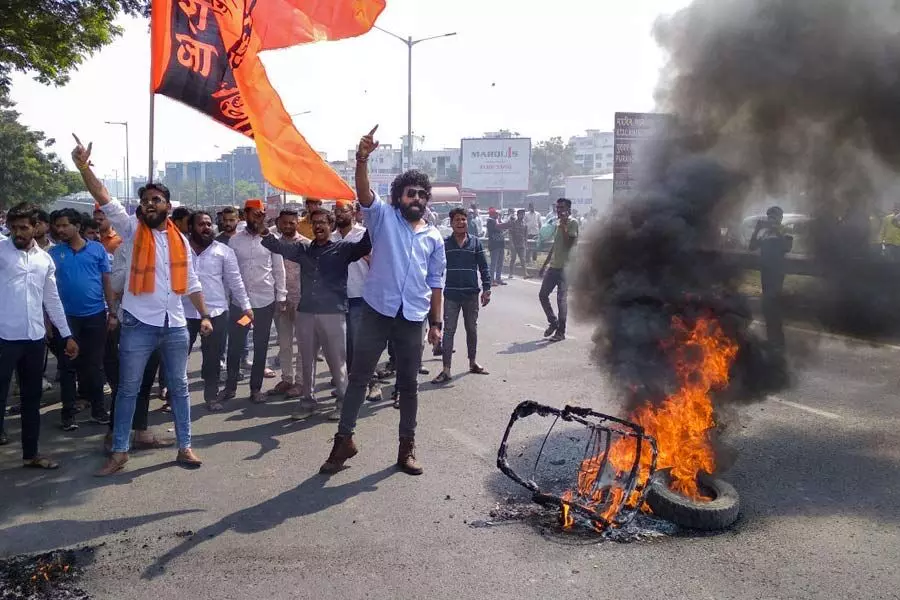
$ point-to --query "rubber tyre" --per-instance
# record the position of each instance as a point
(719, 513)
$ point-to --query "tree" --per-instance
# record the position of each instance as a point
(51, 37)
(551, 162)
(29, 171)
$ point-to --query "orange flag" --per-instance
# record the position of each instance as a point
(206, 54)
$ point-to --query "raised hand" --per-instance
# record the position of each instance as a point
(81, 156)
(367, 145)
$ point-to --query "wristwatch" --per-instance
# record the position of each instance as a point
(205, 318)
(438, 324)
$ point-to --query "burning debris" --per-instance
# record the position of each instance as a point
(49, 576)
(617, 476)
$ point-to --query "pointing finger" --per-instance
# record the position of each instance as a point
(374, 129)
(77, 140)
(90, 147)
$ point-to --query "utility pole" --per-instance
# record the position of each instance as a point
(410, 42)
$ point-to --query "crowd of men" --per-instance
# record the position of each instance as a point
(122, 299)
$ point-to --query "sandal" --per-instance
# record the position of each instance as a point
(441, 379)
(478, 370)
(40, 462)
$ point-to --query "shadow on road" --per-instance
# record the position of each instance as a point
(310, 497)
(526, 347)
(46, 535)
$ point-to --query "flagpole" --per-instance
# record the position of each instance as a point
(152, 116)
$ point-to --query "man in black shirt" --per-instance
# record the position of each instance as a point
(773, 244)
(323, 303)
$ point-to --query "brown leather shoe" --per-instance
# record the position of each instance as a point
(343, 450)
(114, 464)
(187, 458)
(406, 457)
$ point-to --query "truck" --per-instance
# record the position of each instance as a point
(589, 192)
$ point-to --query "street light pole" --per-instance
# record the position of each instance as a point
(127, 159)
(410, 42)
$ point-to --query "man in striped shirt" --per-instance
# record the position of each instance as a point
(465, 262)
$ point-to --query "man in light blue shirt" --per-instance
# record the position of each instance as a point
(404, 287)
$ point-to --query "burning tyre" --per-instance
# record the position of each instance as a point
(717, 508)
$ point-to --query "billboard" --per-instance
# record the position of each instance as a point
(632, 130)
(496, 164)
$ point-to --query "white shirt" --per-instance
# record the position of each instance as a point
(217, 267)
(356, 271)
(29, 286)
(262, 271)
(151, 309)
(533, 222)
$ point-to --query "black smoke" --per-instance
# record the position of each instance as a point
(789, 102)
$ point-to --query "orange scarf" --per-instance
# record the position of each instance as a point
(143, 260)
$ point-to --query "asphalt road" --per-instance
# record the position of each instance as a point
(816, 468)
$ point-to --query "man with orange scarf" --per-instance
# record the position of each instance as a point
(159, 273)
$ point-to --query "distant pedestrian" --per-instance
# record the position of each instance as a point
(890, 234)
(496, 244)
(28, 277)
(533, 224)
(466, 264)
(554, 276)
(773, 244)
(518, 238)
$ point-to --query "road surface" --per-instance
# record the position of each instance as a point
(816, 467)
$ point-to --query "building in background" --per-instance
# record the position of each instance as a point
(594, 152)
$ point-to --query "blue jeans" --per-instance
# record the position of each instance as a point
(138, 341)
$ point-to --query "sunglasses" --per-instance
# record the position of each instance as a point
(422, 194)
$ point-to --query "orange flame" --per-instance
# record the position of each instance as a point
(702, 356)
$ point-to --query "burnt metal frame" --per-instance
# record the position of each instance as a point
(604, 429)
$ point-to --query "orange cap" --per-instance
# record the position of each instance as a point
(254, 203)
(343, 204)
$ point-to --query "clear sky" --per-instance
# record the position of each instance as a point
(538, 68)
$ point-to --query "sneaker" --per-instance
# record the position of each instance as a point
(107, 390)
(558, 337)
(373, 393)
(226, 395)
(100, 418)
(423, 371)
(551, 329)
(68, 425)
(46, 385)
(305, 408)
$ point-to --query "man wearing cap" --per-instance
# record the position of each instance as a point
(403, 289)
(264, 280)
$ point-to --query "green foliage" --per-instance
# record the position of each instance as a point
(29, 170)
(551, 162)
(50, 38)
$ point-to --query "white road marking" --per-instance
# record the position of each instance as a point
(833, 336)
(475, 446)
(809, 409)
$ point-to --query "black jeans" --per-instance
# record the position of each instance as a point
(211, 348)
(237, 336)
(26, 358)
(772, 285)
(555, 278)
(469, 307)
(90, 334)
(374, 332)
(498, 254)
